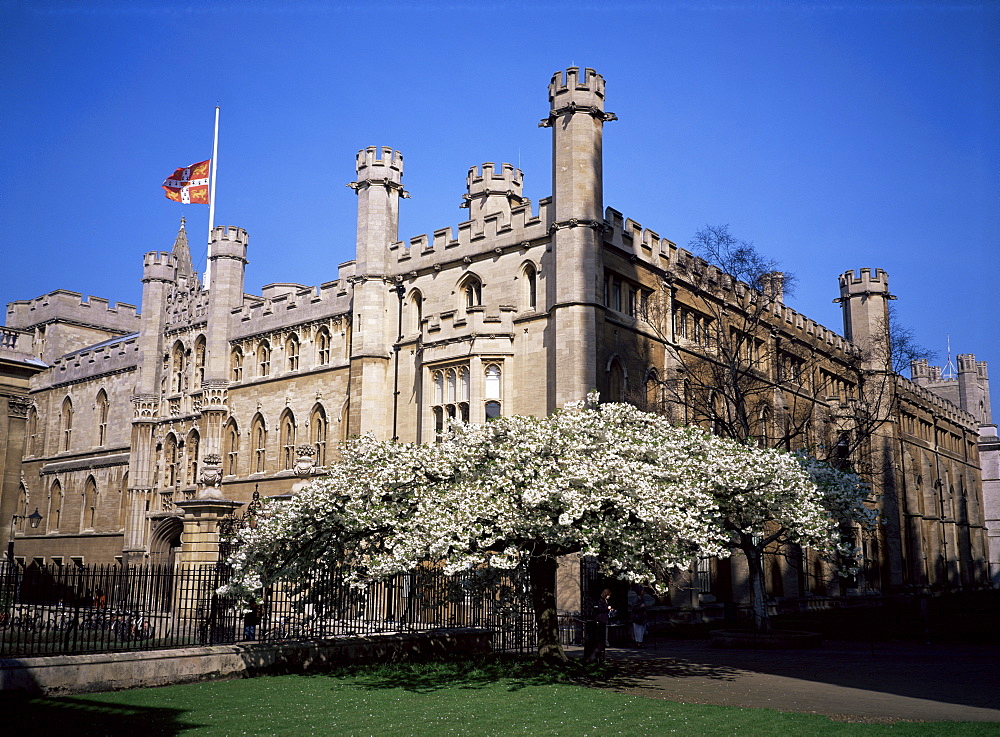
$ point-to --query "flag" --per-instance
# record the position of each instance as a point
(189, 184)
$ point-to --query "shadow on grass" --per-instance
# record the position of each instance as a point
(517, 672)
(81, 718)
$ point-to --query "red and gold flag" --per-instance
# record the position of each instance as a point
(189, 184)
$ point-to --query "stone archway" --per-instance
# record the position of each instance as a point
(165, 540)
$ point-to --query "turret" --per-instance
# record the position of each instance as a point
(865, 301)
(159, 276)
(974, 388)
(379, 187)
(576, 117)
(227, 254)
(491, 191)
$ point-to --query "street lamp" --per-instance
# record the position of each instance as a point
(33, 519)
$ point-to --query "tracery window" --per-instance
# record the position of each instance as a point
(258, 435)
(89, 504)
(66, 424)
(323, 347)
(616, 381)
(472, 292)
(177, 368)
(450, 396)
(264, 358)
(55, 506)
(32, 433)
(317, 433)
(170, 461)
(492, 391)
(232, 448)
(199, 361)
(236, 362)
(191, 450)
(292, 352)
(288, 440)
(102, 417)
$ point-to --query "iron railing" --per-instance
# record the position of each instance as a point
(79, 609)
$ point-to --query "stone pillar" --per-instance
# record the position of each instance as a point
(200, 538)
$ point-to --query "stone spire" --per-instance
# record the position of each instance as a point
(182, 252)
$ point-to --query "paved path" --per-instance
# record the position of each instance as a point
(847, 681)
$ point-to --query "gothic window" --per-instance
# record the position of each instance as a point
(288, 440)
(616, 381)
(264, 358)
(22, 502)
(66, 424)
(102, 417)
(55, 506)
(170, 461)
(236, 362)
(530, 287)
(177, 368)
(492, 391)
(89, 504)
(472, 292)
(633, 305)
(258, 436)
(438, 387)
(764, 428)
(323, 347)
(232, 447)
(416, 312)
(199, 361)
(463, 384)
(317, 434)
(191, 449)
(122, 501)
(292, 352)
(32, 433)
(616, 296)
(653, 390)
(451, 396)
(451, 379)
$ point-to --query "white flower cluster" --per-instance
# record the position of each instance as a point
(604, 480)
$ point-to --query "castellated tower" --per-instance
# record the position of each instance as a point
(576, 117)
(865, 301)
(227, 254)
(492, 191)
(379, 188)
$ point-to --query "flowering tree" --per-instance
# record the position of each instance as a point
(767, 497)
(602, 480)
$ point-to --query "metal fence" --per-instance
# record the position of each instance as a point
(70, 609)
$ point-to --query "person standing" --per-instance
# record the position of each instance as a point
(639, 616)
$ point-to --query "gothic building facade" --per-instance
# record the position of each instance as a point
(126, 413)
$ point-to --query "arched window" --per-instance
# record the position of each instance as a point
(123, 501)
(55, 506)
(653, 391)
(89, 504)
(31, 447)
(616, 381)
(288, 440)
(472, 292)
(416, 312)
(492, 391)
(232, 447)
(191, 450)
(438, 387)
(530, 288)
(451, 379)
(102, 417)
(292, 352)
(317, 433)
(323, 347)
(463, 384)
(264, 358)
(258, 438)
(236, 363)
(177, 368)
(66, 425)
(199, 361)
(764, 429)
(170, 469)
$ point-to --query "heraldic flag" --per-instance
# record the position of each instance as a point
(189, 184)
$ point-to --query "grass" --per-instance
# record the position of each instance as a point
(493, 696)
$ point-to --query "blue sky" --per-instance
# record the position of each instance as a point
(833, 135)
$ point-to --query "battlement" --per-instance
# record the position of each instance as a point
(380, 162)
(230, 233)
(65, 306)
(284, 304)
(866, 282)
(571, 86)
(159, 266)
(487, 180)
(945, 408)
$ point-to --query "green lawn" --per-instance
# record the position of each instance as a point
(425, 701)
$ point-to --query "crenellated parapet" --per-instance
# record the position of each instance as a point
(943, 407)
(285, 306)
(103, 359)
(159, 266)
(65, 306)
(228, 241)
(379, 165)
(867, 281)
(573, 92)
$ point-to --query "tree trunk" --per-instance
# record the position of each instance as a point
(542, 571)
(758, 596)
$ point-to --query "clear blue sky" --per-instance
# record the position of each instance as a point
(835, 135)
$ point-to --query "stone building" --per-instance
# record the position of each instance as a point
(517, 310)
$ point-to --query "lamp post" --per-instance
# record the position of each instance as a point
(33, 519)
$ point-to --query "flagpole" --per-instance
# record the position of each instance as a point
(211, 198)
